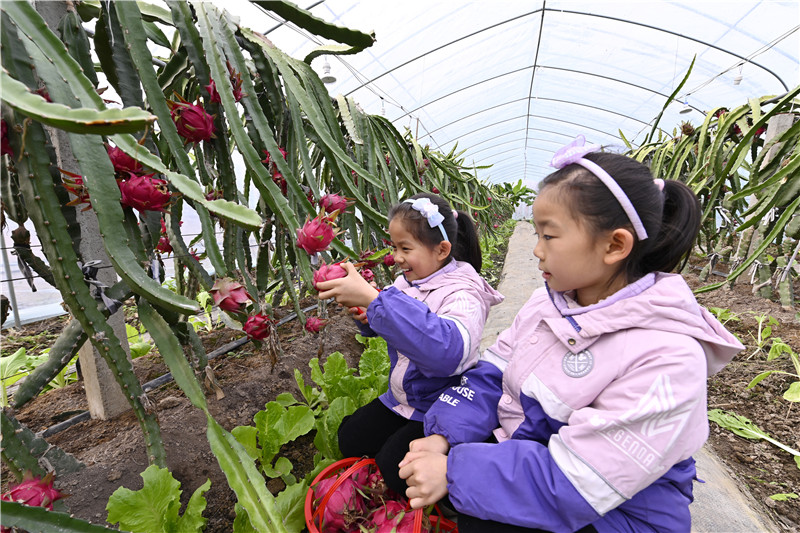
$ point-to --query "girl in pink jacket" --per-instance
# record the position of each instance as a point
(432, 318)
(585, 413)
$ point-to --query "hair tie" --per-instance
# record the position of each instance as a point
(573, 153)
(455, 213)
(430, 211)
(659, 183)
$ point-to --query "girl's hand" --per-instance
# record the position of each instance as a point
(360, 314)
(426, 475)
(351, 290)
(431, 443)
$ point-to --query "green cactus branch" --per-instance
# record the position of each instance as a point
(81, 120)
(29, 518)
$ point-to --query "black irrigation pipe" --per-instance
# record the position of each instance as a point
(166, 378)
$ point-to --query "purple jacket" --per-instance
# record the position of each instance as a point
(597, 411)
(433, 330)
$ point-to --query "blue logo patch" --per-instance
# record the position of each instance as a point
(577, 365)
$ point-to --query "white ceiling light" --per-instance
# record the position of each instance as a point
(686, 108)
(327, 77)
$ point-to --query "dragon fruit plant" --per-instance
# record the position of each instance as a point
(333, 202)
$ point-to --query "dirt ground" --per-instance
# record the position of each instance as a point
(113, 450)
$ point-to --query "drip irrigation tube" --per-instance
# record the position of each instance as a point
(166, 378)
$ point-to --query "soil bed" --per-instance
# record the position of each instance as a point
(113, 450)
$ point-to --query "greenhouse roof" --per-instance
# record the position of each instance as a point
(509, 82)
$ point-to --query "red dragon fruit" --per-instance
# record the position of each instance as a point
(213, 93)
(368, 274)
(192, 121)
(123, 163)
(316, 234)
(345, 502)
(229, 295)
(145, 193)
(392, 517)
(333, 202)
(388, 260)
(328, 272)
(314, 324)
(34, 491)
(258, 326)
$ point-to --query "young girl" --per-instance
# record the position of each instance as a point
(432, 318)
(595, 398)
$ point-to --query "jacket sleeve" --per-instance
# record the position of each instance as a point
(467, 413)
(515, 482)
(436, 345)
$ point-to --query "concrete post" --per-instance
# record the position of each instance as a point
(103, 394)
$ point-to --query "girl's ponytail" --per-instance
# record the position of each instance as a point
(680, 224)
(467, 247)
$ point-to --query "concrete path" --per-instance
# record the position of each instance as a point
(719, 505)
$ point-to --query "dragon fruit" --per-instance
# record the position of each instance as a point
(34, 491)
(229, 295)
(316, 234)
(192, 121)
(123, 163)
(333, 202)
(388, 260)
(258, 326)
(345, 503)
(368, 274)
(236, 83)
(145, 193)
(328, 272)
(315, 324)
(393, 518)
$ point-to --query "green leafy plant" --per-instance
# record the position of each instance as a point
(205, 319)
(777, 349)
(744, 427)
(11, 367)
(724, 315)
(763, 332)
(783, 497)
(136, 341)
(157, 505)
(338, 392)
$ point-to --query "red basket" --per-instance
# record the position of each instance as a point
(346, 468)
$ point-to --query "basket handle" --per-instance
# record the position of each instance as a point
(417, 520)
(361, 463)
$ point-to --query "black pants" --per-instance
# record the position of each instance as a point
(376, 431)
(470, 524)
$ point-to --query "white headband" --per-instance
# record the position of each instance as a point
(430, 211)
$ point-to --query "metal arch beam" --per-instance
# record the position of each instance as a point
(487, 28)
(569, 102)
(532, 129)
(514, 140)
(681, 35)
(616, 80)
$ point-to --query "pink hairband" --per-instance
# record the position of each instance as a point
(574, 152)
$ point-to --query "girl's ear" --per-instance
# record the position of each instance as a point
(442, 250)
(618, 246)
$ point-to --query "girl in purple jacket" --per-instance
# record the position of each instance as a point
(585, 413)
(432, 318)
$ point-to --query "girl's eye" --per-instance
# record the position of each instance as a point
(547, 237)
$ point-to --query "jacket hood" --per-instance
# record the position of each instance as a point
(456, 276)
(660, 302)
